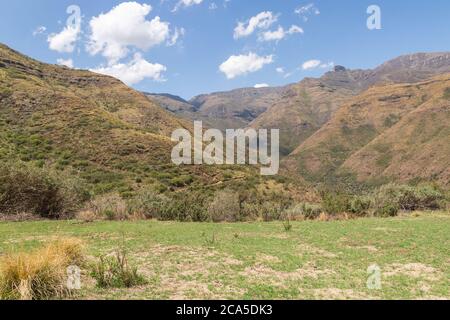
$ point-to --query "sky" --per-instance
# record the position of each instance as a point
(190, 47)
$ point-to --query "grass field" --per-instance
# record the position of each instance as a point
(315, 260)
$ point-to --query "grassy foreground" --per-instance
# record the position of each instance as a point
(315, 260)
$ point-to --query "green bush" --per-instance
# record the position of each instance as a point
(334, 203)
(189, 206)
(25, 188)
(360, 205)
(387, 210)
(149, 204)
(409, 198)
(115, 272)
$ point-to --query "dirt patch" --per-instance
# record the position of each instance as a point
(368, 248)
(190, 272)
(264, 258)
(306, 248)
(339, 294)
(413, 270)
(260, 272)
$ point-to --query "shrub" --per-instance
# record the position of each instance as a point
(181, 181)
(305, 211)
(39, 191)
(41, 274)
(360, 205)
(109, 206)
(116, 272)
(387, 210)
(148, 204)
(409, 198)
(334, 204)
(287, 225)
(225, 207)
(189, 206)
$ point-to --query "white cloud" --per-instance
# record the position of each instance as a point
(123, 26)
(135, 71)
(186, 3)
(279, 34)
(65, 40)
(63, 62)
(280, 70)
(261, 85)
(213, 6)
(243, 64)
(262, 20)
(311, 64)
(39, 30)
(175, 36)
(306, 11)
(295, 29)
(314, 64)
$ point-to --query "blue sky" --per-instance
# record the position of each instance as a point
(147, 57)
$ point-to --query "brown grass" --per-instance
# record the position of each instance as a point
(41, 274)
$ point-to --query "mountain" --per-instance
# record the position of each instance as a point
(97, 128)
(222, 110)
(173, 104)
(389, 132)
(306, 106)
(237, 108)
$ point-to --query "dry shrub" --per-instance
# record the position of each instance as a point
(147, 204)
(225, 207)
(86, 216)
(110, 206)
(324, 217)
(41, 274)
(305, 211)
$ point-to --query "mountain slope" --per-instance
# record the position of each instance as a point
(95, 127)
(308, 105)
(174, 104)
(382, 133)
(222, 110)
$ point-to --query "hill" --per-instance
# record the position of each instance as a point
(306, 106)
(388, 132)
(95, 127)
(222, 110)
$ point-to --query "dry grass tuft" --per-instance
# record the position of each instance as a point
(41, 274)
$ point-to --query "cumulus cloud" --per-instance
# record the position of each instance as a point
(306, 11)
(186, 3)
(65, 40)
(262, 20)
(280, 70)
(243, 64)
(125, 25)
(261, 85)
(135, 71)
(314, 64)
(65, 62)
(279, 34)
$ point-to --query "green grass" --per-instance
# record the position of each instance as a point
(261, 260)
